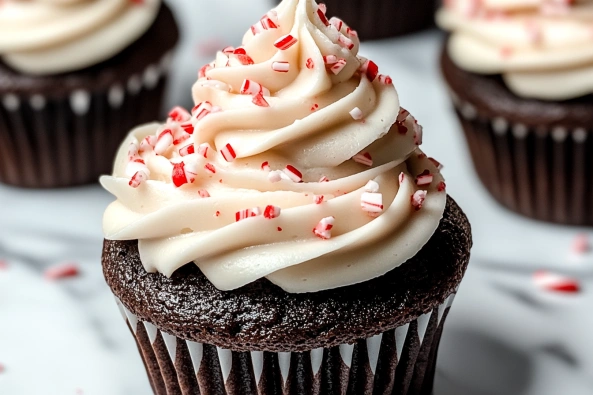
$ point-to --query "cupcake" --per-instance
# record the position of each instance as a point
(518, 74)
(384, 18)
(75, 76)
(286, 235)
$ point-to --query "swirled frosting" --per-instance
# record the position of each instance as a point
(44, 37)
(542, 48)
(312, 177)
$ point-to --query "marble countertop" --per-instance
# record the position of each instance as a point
(504, 335)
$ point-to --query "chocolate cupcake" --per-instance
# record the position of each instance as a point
(519, 83)
(74, 78)
(384, 18)
(287, 235)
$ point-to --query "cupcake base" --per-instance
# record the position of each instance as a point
(532, 156)
(64, 130)
(398, 361)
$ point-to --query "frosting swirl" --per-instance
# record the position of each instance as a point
(543, 48)
(299, 166)
(56, 36)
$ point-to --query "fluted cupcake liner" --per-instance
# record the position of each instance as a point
(383, 18)
(541, 172)
(56, 141)
(398, 361)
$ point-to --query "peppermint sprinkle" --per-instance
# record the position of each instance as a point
(364, 158)
(203, 150)
(337, 23)
(556, 283)
(187, 150)
(322, 17)
(338, 66)
(356, 114)
(425, 178)
(442, 186)
(372, 203)
(318, 199)
(210, 168)
(137, 179)
(179, 114)
(275, 176)
(247, 213)
(436, 163)
(203, 193)
(259, 100)
(330, 59)
(418, 199)
(310, 63)
(402, 177)
(265, 166)
(285, 42)
(324, 179)
(370, 69)
(271, 212)
(228, 153)
(324, 227)
(281, 67)
(345, 42)
(164, 141)
(293, 173)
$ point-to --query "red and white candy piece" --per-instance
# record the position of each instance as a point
(425, 178)
(271, 212)
(187, 150)
(442, 186)
(136, 165)
(385, 79)
(330, 60)
(418, 199)
(337, 67)
(370, 69)
(310, 63)
(318, 199)
(293, 173)
(403, 115)
(322, 7)
(356, 114)
(281, 67)
(336, 22)
(436, 163)
(247, 213)
(201, 110)
(275, 176)
(372, 203)
(418, 133)
(580, 244)
(250, 87)
(61, 271)
(321, 14)
(363, 158)
(372, 186)
(228, 153)
(205, 69)
(555, 282)
(267, 22)
(132, 151)
(187, 127)
(285, 42)
(203, 193)
(183, 173)
(259, 101)
(209, 167)
(345, 42)
(402, 177)
(147, 145)
(324, 227)
(204, 149)
(179, 114)
(324, 179)
(265, 166)
(164, 141)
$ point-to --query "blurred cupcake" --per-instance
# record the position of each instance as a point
(75, 76)
(287, 235)
(384, 18)
(521, 76)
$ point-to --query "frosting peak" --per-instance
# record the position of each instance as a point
(543, 48)
(296, 164)
(55, 36)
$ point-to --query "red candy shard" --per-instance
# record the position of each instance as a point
(259, 100)
(179, 177)
(285, 42)
(61, 271)
(271, 212)
(228, 153)
(418, 199)
(310, 63)
(293, 173)
(210, 167)
(442, 186)
(424, 178)
(555, 282)
(179, 114)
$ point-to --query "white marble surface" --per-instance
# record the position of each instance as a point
(504, 336)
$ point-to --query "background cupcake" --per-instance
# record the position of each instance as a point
(520, 74)
(384, 18)
(326, 250)
(74, 77)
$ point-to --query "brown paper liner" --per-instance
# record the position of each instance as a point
(48, 142)
(540, 172)
(400, 361)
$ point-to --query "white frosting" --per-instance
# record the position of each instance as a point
(49, 37)
(307, 125)
(543, 48)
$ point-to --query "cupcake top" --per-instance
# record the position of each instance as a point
(44, 37)
(542, 48)
(296, 164)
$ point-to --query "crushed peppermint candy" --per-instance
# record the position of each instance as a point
(259, 101)
(228, 153)
(204, 149)
(346, 43)
(138, 178)
(324, 179)
(285, 42)
(330, 60)
(201, 110)
(363, 158)
(424, 178)
(183, 173)
(187, 150)
(336, 22)
(203, 193)
(250, 87)
(442, 186)
(310, 63)
(338, 66)
(61, 271)
(436, 163)
(293, 173)
(418, 199)
(164, 141)
(554, 282)
(265, 166)
(318, 199)
(402, 177)
(370, 69)
(271, 212)
(372, 203)
(322, 17)
(247, 213)
(275, 176)
(324, 227)
(209, 167)
(147, 145)
(356, 114)
(281, 67)
(179, 114)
